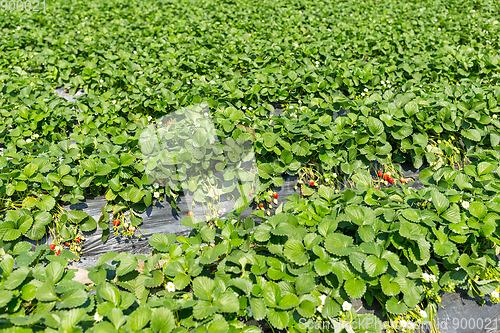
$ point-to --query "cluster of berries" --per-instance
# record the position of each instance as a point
(116, 223)
(387, 177)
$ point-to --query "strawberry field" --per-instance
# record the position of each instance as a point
(378, 120)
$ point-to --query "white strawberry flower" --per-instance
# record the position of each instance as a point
(494, 116)
(403, 323)
(150, 118)
(97, 317)
(346, 306)
(156, 195)
(170, 287)
(411, 325)
(465, 204)
(319, 308)
(426, 277)
(433, 278)
(495, 294)
(156, 185)
(28, 140)
(334, 175)
(366, 89)
(423, 314)
(323, 299)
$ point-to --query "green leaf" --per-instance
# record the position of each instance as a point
(339, 244)
(204, 309)
(395, 306)
(161, 242)
(110, 293)
(439, 201)
(296, 252)
(139, 318)
(389, 286)
(127, 264)
(72, 298)
(307, 305)
(46, 203)
(162, 320)
(375, 126)
(218, 326)
(71, 318)
(304, 284)
(355, 287)
(155, 280)
(242, 284)
(228, 302)
(16, 278)
(5, 297)
(278, 318)
(54, 271)
(46, 292)
(108, 256)
(89, 224)
(478, 209)
(375, 266)
(116, 317)
(258, 307)
(272, 294)
(203, 288)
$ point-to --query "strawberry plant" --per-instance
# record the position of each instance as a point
(219, 104)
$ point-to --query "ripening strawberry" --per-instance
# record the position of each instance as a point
(386, 176)
(275, 195)
(116, 222)
(376, 187)
(58, 253)
(391, 180)
(67, 243)
(169, 123)
(191, 214)
(261, 205)
(379, 173)
(311, 183)
(52, 247)
(402, 180)
(77, 239)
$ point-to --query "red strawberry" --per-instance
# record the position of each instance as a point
(58, 253)
(275, 195)
(269, 201)
(116, 222)
(379, 173)
(261, 205)
(67, 244)
(386, 176)
(391, 180)
(376, 187)
(52, 247)
(190, 214)
(77, 239)
(311, 183)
